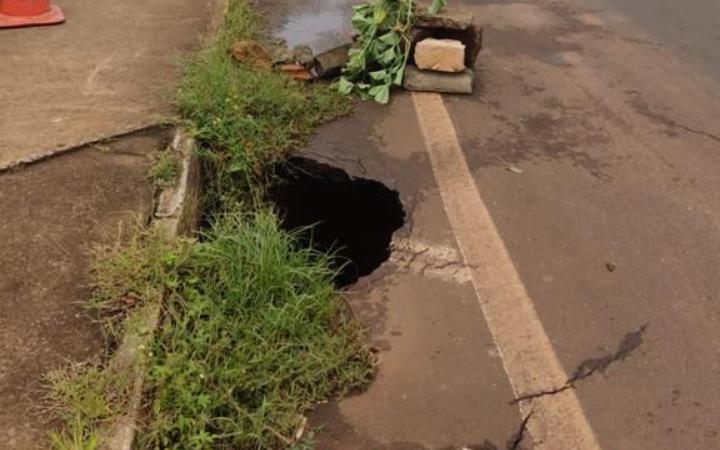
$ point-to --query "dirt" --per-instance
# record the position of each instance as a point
(52, 213)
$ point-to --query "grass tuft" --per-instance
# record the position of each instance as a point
(246, 118)
(254, 337)
(165, 169)
(137, 267)
(83, 396)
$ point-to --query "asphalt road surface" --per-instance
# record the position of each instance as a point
(558, 276)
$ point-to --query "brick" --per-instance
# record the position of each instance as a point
(442, 55)
(450, 83)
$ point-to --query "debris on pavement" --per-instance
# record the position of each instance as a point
(453, 23)
(303, 54)
(431, 81)
(251, 53)
(329, 64)
(443, 52)
(297, 71)
(514, 169)
(441, 55)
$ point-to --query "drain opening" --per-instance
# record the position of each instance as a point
(353, 218)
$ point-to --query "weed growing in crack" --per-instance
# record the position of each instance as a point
(83, 396)
(164, 170)
(136, 268)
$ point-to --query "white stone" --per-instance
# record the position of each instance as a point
(442, 55)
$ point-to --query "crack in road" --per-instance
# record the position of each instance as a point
(630, 342)
(643, 108)
(516, 441)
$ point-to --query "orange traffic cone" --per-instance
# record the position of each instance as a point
(28, 13)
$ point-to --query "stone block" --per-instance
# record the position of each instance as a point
(452, 23)
(442, 55)
(449, 83)
(330, 63)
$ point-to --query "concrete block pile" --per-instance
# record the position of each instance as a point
(443, 53)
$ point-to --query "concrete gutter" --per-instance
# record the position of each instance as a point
(176, 214)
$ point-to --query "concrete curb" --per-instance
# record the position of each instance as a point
(176, 214)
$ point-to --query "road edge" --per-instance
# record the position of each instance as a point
(176, 214)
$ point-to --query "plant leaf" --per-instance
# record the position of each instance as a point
(345, 86)
(382, 94)
(436, 6)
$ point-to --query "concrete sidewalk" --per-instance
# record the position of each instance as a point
(109, 69)
(52, 213)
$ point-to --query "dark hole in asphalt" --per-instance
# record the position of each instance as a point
(352, 218)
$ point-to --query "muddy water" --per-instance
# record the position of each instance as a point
(321, 24)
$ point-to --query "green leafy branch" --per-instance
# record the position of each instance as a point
(377, 61)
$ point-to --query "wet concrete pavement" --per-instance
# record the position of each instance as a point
(593, 142)
(109, 69)
(52, 215)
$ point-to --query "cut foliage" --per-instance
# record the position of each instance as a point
(377, 60)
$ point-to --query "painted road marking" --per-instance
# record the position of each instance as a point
(557, 421)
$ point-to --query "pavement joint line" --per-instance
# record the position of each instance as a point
(19, 163)
(555, 422)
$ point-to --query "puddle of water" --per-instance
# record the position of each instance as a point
(321, 24)
(353, 218)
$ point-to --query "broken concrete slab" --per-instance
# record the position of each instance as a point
(442, 55)
(448, 83)
(330, 63)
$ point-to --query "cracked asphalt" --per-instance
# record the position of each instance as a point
(592, 140)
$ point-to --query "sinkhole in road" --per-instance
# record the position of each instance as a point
(352, 218)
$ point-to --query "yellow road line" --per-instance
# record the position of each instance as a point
(557, 421)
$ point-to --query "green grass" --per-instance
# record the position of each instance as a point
(253, 338)
(137, 267)
(252, 333)
(83, 396)
(165, 169)
(245, 118)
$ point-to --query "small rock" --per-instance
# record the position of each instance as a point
(330, 63)
(610, 267)
(514, 169)
(450, 83)
(252, 53)
(303, 54)
(443, 55)
(279, 53)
